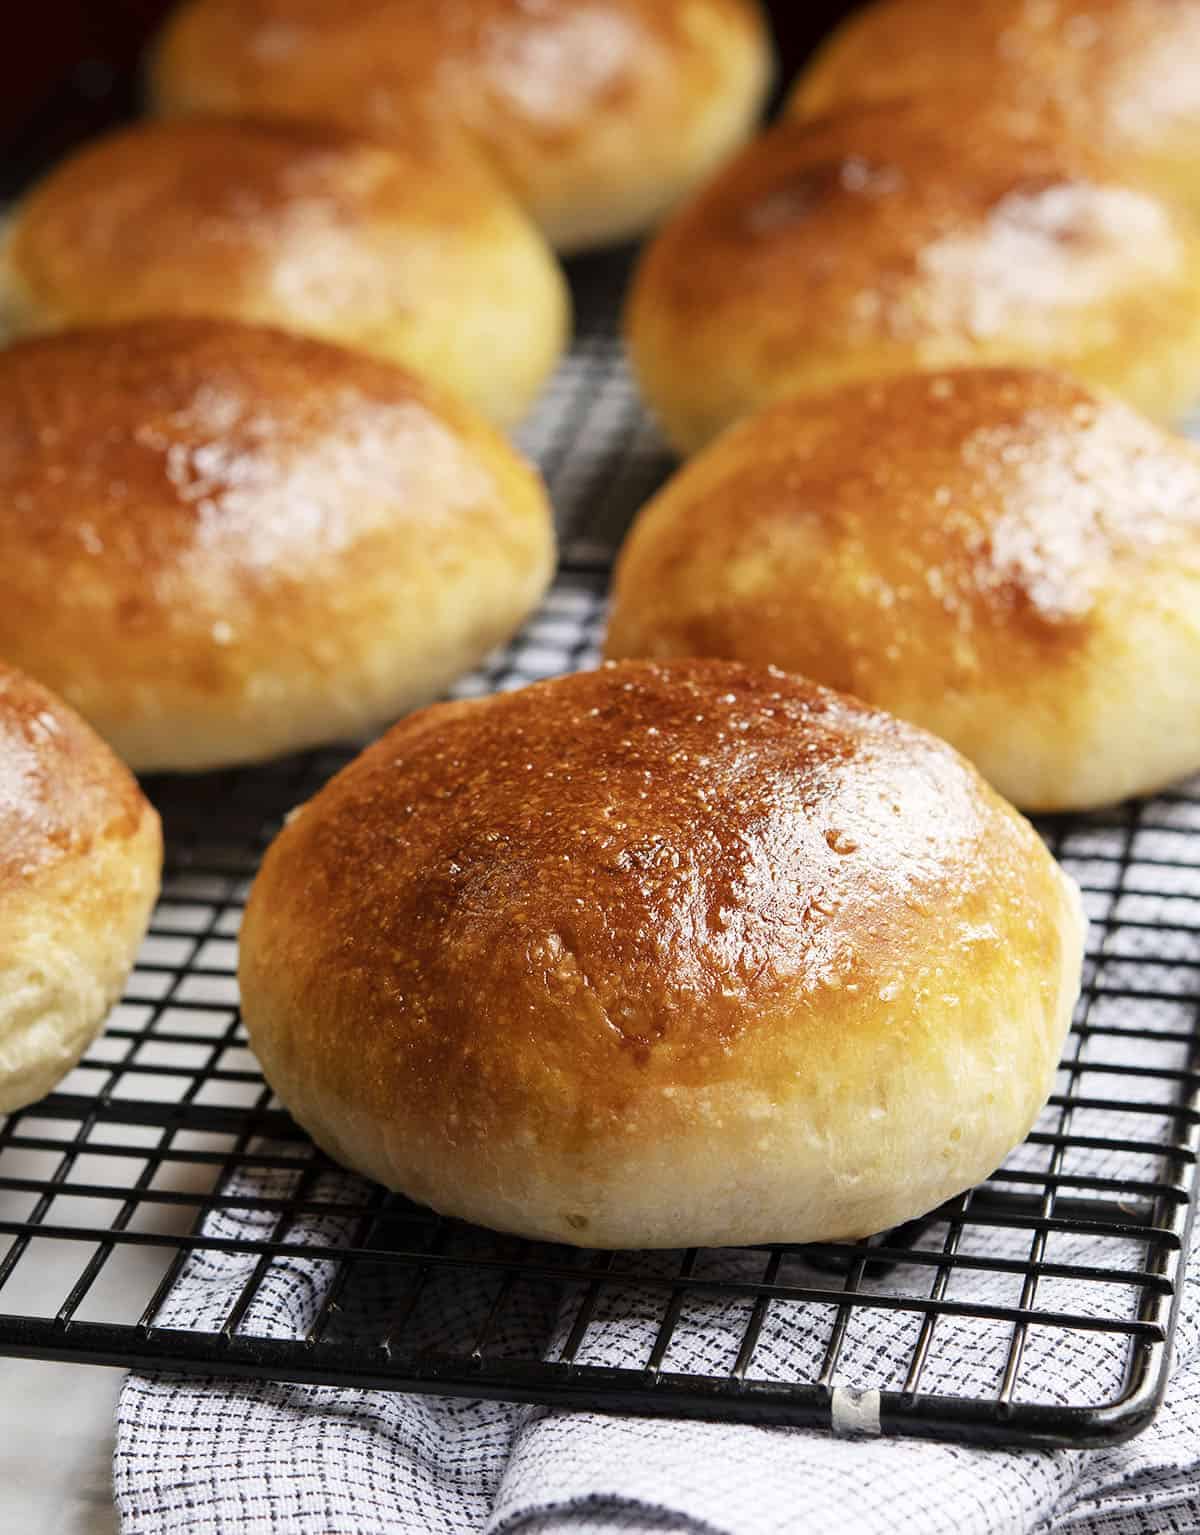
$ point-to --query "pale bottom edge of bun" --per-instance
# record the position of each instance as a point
(694, 406)
(67, 946)
(628, 181)
(181, 732)
(1125, 723)
(740, 1177)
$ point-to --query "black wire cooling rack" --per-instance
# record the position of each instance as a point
(166, 1137)
(1038, 1308)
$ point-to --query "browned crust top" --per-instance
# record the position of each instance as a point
(616, 882)
(914, 526)
(184, 213)
(183, 497)
(905, 220)
(547, 67)
(61, 788)
(1127, 70)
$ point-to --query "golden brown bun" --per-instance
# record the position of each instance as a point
(1126, 71)
(1000, 556)
(599, 113)
(221, 542)
(413, 252)
(80, 859)
(906, 236)
(661, 956)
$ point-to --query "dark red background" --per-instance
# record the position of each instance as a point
(69, 65)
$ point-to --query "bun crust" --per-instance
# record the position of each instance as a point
(80, 859)
(600, 114)
(662, 956)
(220, 542)
(1127, 72)
(413, 252)
(1001, 556)
(913, 235)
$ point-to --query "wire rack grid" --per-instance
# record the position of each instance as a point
(161, 1211)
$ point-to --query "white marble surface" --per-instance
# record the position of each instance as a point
(56, 1420)
(56, 1436)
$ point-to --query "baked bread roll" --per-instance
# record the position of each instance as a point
(1001, 556)
(1126, 71)
(910, 235)
(80, 861)
(600, 114)
(414, 251)
(662, 956)
(220, 542)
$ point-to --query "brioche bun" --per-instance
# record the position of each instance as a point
(999, 555)
(220, 542)
(913, 235)
(662, 956)
(1125, 72)
(80, 861)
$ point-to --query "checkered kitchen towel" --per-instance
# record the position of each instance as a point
(250, 1458)
(236, 1457)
